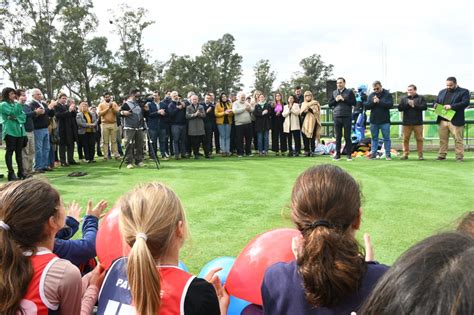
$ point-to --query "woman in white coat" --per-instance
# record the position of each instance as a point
(291, 126)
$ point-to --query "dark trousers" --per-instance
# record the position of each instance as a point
(278, 136)
(153, 141)
(69, 149)
(97, 137)
(233, 138)
(170, 134)
(196, 142)
(341, 123)
(254, 136)
(133, 145)
(209, 129)
(87, 141)
(294, 135)
(80, 150)
(14, 144)
(216, 138)
(244, 132)
(310, 143)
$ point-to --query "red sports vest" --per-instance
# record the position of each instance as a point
(174, 286)
(115, 297)
(35, 301)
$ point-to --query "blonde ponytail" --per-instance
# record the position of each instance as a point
(149, 216)
(144, 281)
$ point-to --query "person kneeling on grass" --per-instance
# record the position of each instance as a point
(33, 279)
(153, 223)
(330, 275)
(435, 276)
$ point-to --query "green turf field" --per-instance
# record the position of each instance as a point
(229, 201)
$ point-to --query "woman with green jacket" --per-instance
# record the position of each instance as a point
(14, 133)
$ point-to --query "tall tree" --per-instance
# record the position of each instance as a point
(264, 76)
(314, 76)
(43, 18)
(134, 68)
(220, 65)
(182, 75)
(83, 60)
(16, 59)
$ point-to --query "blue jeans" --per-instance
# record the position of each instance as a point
(179, 138)
(224, 137)
(41, 148)
(163, 135)
(262, 141)
(374, 131)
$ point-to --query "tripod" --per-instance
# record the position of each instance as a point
(130, 145)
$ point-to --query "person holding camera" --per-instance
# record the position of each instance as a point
(133, 126)
(108, 116)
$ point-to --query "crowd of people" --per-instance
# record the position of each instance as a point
(41, 267)
(43, 135)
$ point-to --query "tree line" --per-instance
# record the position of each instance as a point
(52, 45)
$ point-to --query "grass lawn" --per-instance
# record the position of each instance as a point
(229, 201)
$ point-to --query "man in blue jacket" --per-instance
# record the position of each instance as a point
(457, 99)
(177, 114)
(153, 122)
(379, 103)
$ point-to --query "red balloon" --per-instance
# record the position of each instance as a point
(246, 276)
(109, 243)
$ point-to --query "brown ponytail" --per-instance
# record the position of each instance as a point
(325, 204)
(149, 216)
(25, 207)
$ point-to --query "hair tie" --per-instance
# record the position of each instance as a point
(324, 223)
(141, 235)
(4, 226)
(328, 225)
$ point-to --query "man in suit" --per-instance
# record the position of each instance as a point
(66, 116)
(457, 99)
(342, 100)
(195, 115)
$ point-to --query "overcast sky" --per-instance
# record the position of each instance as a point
(425, 42)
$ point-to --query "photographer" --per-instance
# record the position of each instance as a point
(133, 114)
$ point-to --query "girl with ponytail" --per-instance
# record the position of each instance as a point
(153, 223)
(33, 280)
(330, 274)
